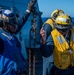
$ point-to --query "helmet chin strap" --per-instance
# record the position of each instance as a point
(66, 33)
(4, 26)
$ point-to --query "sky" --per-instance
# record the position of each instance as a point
(48, 6)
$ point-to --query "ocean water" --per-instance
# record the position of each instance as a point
(45, 18)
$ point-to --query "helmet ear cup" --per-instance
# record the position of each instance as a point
(55, 15)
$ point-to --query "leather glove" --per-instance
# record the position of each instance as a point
(31, 4)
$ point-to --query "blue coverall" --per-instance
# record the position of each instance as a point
(11, 59)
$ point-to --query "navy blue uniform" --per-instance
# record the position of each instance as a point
(11, 59)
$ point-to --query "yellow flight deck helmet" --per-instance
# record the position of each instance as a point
(56, 12)
(63, 21)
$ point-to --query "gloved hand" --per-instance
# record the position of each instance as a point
(31, 4)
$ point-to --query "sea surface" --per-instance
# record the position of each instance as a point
(45, 18)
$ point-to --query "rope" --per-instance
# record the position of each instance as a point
(34, 30)
(30, 66)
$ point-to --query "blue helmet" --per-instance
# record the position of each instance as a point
(8, 17)
(8, 13)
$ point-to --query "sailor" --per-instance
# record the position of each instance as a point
(61, 44)
(48, 26)
(11, 59)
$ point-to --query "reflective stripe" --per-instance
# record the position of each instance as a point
(59, 38)
(9, 37)
(62, 19)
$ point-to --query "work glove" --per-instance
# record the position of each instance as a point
(31, 4)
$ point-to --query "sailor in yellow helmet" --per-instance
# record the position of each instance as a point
(61, 44)
(47, 27)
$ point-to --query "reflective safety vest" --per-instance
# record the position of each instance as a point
(50, 22)
(63, 52)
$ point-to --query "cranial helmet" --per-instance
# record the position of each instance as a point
(56, 12)
(63, 21)
(8, 16)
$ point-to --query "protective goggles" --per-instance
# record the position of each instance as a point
(63, 30)
(10, 20)
(62, 26)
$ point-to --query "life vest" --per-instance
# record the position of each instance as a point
(50, 22)
(62, 57)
